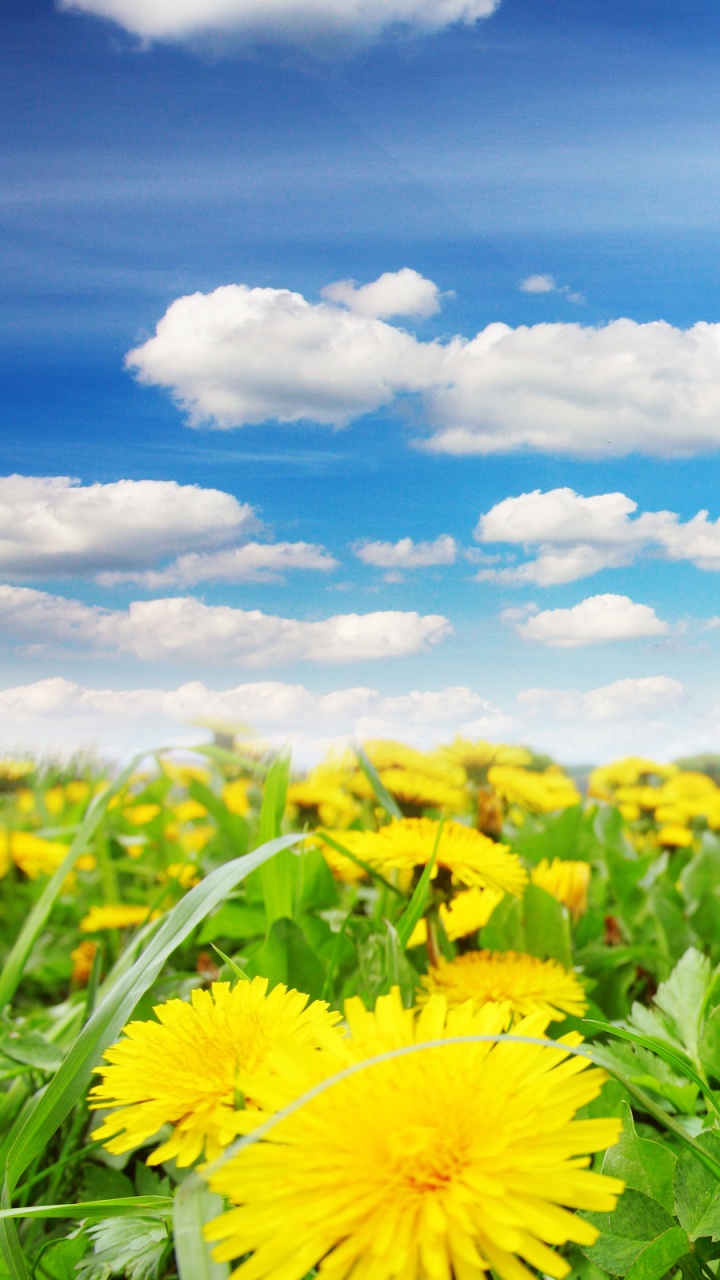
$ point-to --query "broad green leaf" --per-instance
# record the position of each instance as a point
(504, 930)
(658, 1049)
(659, 1256)
(31, 1049)
(557, 835)
(195, 1205)
(234, 920)
(682, 998)
(233, 827)
(59, 1262)
(642, 1164)
(547, 926)
(697, 1192)
(627, 1231)
(286, 957)
(130, 1247)
(647, 1071)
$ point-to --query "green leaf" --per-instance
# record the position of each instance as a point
(417, 903)
(234, 920)
(659, 1256)
(132, 1247)
(697, 1192)
(625, 1234)
(642, 1164)
(234, 827)
(59, 1262)
(663, 1051)
(278, 875)
(286, 957)
(122, 1207)
(556, 835)
(682, 998)
(195, 1205)
(32, 1049)
(398, 971)
(382, 795)
(547, 926)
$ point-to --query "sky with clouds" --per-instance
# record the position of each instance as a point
(361, 372)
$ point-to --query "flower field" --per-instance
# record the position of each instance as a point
(409, 1016)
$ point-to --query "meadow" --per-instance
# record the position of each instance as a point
(407, 1016)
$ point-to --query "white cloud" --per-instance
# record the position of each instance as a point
(407, 554)
(597, 620)
(60, 713)
(241, 355)
(253, 562)
(395, 293)
(183, 628)
(629, 699)
(284, 20)
(576, 536)
(54, 526)
(538, 284)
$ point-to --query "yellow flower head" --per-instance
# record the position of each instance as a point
(464, 914)
(140, 814)
(333, 806)
(415, 791)
(181, 875)
(625, 773)
(388, 755)
(82, 958)
(235, 796)
(566, 880)
(444, 1161)
(540, 792)
(479, 755)
(34, 855)
(674, 836)
(197, 1066)
(116, 917)
(343, 868)
(529, 984)
(472, 858)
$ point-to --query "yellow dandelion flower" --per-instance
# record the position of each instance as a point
(184, 774)
(189, 810)
(625, 773)
(630, 812)
(445, 1161)
(235, 796)
(86, 862)
(529, 984)
(54, 799)
(24, 800)
(77, 790)
(333, 806)
(140, 814)
(388, 755)
(464, 914)
(14, 770)
(181, 874)
(197, 1066)
(477, 756)
(540, 792)
(82, 958)
(116, 916)
(34, 855)
(417, 791)
(675, 836)
(343, 868)
(471, 857)
(566, 880)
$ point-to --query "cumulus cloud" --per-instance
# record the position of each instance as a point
(597, 620)
(548, 284)
(240, 355)
(55, 526)
(629, 699)
(282, 20)
(575, 536)
(406, 554)
(60, 712)
(395, 293)
(253, 562)
(183, 628)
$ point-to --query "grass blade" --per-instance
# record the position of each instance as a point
(195, 1205)
(382, 795)
(417, 903)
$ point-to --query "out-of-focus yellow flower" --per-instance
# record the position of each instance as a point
(184, 774)
(86, 862)
(184, 874)
(24, 800)
(540, 792)
(116, 916)
(77, 790)
(194, 839)
(34, 855)
(135, 850)
(385, 754)
(141, 814)
(477, 756)
(471, 858)
(343, 868)
(674, 836)
(464, 914)
(625, 773)
(417, 791)
(82, 958)
(630, 812)
(235, 796)
(189, 810)
(566, 880)
(14, 770)
(333, 806)
(54, 800)
(671, 813)
(529, 984)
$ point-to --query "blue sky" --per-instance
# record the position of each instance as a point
(571, 147)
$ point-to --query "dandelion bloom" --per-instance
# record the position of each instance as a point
(465, 913)
(33, 855)
(83, 958)
(445, 1161)
(539, 792)
(197, 1066)
(529, 984)
(116, 916)
(471, 857)
(566, 880)
(674, 836)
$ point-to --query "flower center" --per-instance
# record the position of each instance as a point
(423, 1158)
